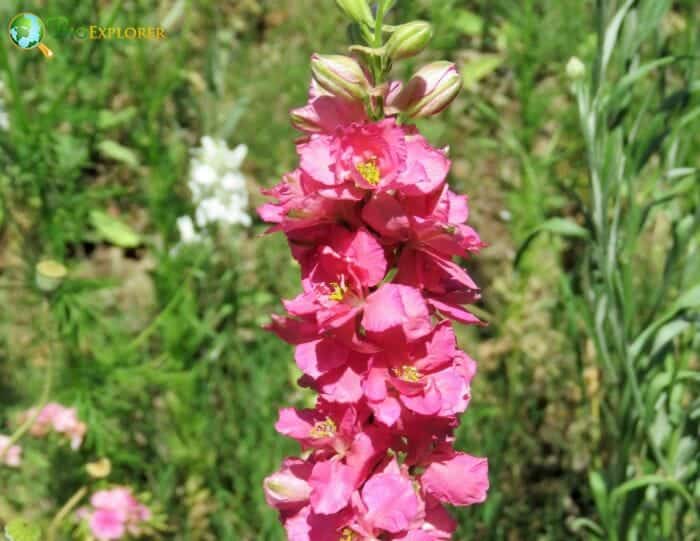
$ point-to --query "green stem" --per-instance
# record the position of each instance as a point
(43, 399)
(63, 512)
(379, 64)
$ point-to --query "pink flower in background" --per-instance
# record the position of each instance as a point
(60, 419)
(10, 455)
(114, 513)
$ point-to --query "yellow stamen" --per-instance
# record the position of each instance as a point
(408, 373)
(339, 291)
(369, 171)
(324, 429)
(347, 535)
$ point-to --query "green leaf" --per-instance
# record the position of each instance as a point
(22, 530)
(113, 230)
(558, 226)
(480, 67)
(107, 118)
(580, 524)
(611, 35)
(468, 22)
(650, 480)
(690, 299)
(119, 153)
(600, 494)
(634, 76)
(667, 333)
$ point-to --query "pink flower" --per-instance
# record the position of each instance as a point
(114, 513)
(301, 204)
(428, 377)
(375, 229)
(369, 156)
(10, 455)
(61, 420)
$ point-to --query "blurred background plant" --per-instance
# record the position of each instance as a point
(585, 186)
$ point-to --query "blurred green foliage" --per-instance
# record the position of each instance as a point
(163, 352)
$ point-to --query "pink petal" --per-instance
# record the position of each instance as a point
(295, 423)
(387, 411)
(391, 502)
(319, 357)
(426, 170)
(332, 484)
(318, 160)
(461, 480)
(384, 214)
(395, 305)
(106, 524)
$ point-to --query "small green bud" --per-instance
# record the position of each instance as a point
(409, 40)
(99, 469)
(357, 10)
(431, 89)
(49, 275)
(340, 75)
(575, 69)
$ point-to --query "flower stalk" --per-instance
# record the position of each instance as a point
(375, 229)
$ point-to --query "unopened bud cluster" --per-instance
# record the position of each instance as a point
(431, 89)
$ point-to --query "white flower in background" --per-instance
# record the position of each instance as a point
(185, 226)
(218, 188)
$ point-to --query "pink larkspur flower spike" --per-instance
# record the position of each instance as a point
(376, 231)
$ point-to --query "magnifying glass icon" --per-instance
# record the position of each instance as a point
(27, 31)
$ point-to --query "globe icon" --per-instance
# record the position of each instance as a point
(26, 30)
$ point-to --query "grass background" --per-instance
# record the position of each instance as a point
(164, 354)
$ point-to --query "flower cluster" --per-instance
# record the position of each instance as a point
(10, 455)
(218, 188)
(61, 420)
(114, 514)
(375, 229)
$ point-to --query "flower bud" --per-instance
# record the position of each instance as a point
(575, 69)
(100, 469)
(284, 488)
(409, 40)
(49, 275)
(431, 89)
(357, 10)
(305, 119)
(340, 75)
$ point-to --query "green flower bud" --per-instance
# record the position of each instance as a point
(575, 69)
(409, 40)
(49, 275)
(357, 10)
(340, 75)
(431, 89)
